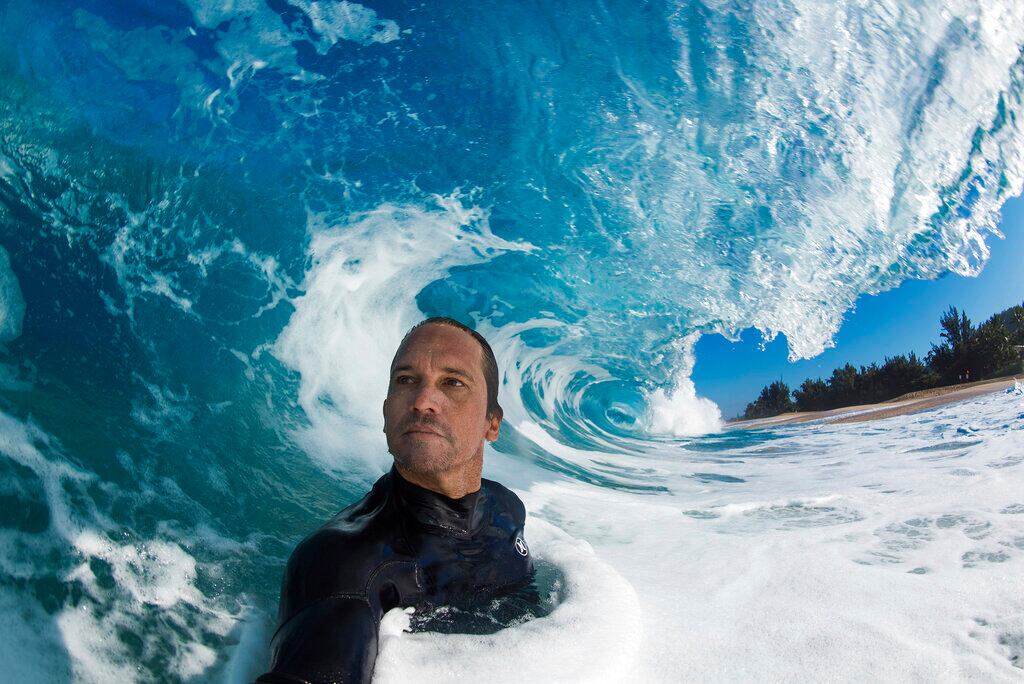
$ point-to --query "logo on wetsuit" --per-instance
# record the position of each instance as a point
(521, 546)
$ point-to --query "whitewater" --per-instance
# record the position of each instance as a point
(217, 220)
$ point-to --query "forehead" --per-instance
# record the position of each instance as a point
(441, 345)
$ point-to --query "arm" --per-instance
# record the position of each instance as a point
(334, 593)
(332, 640)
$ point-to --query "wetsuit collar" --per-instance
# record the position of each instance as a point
(461, 517)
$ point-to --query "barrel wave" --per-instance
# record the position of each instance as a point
(217, 219)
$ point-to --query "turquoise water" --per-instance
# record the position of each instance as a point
(218, 218)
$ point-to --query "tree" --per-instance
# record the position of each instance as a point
(991, 350)
(1013, 319)
(773, 400)
(842, 386)
(870, 385)
(902, 374)
(812, 396)
(942, 362)
(951, 359)
(956, 329)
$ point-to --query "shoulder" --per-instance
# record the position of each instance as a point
(334, 554)
(505, 501)
(337, 559)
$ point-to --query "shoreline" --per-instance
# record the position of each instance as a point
(914, 402)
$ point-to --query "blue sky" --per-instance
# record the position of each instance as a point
(894, 322)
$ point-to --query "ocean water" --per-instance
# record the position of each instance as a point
(217, 219)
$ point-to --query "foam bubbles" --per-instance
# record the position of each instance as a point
(98, 582)
(345, 20)
(682, 412)
(593, 635)
(816, 552)
(828, 552)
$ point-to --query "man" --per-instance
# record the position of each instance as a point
(430, 532)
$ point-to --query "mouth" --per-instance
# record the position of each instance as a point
(422, 431)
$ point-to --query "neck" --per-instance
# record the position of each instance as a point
(454, 484)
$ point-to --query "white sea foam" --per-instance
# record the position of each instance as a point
(257, 36)
(140, 579)
(888, 551)
(682, 412)
(345, 20)
(592, 636)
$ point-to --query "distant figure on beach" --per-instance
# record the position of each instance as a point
(429, 532)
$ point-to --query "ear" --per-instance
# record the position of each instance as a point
(493, 425)
(384, 411)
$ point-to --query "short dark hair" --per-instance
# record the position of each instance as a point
(490, 364)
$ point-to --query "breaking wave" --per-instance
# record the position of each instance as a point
(218, 218)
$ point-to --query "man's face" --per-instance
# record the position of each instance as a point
(435, 415)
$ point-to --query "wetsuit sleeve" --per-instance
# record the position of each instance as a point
(327, 630)
(332, 640)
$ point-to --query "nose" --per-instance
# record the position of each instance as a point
(426, 399)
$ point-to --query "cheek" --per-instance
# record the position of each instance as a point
(472, 427)
(392, 410)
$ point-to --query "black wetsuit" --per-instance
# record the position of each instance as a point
(400, 545)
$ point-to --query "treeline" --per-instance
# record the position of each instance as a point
(966, 353)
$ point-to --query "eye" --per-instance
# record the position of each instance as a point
(404, 379)
(454, 382)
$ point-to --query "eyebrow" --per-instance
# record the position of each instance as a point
(450, 370)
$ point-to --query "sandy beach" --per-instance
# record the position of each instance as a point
(913, 402)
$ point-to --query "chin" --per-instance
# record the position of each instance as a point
(425, 461)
